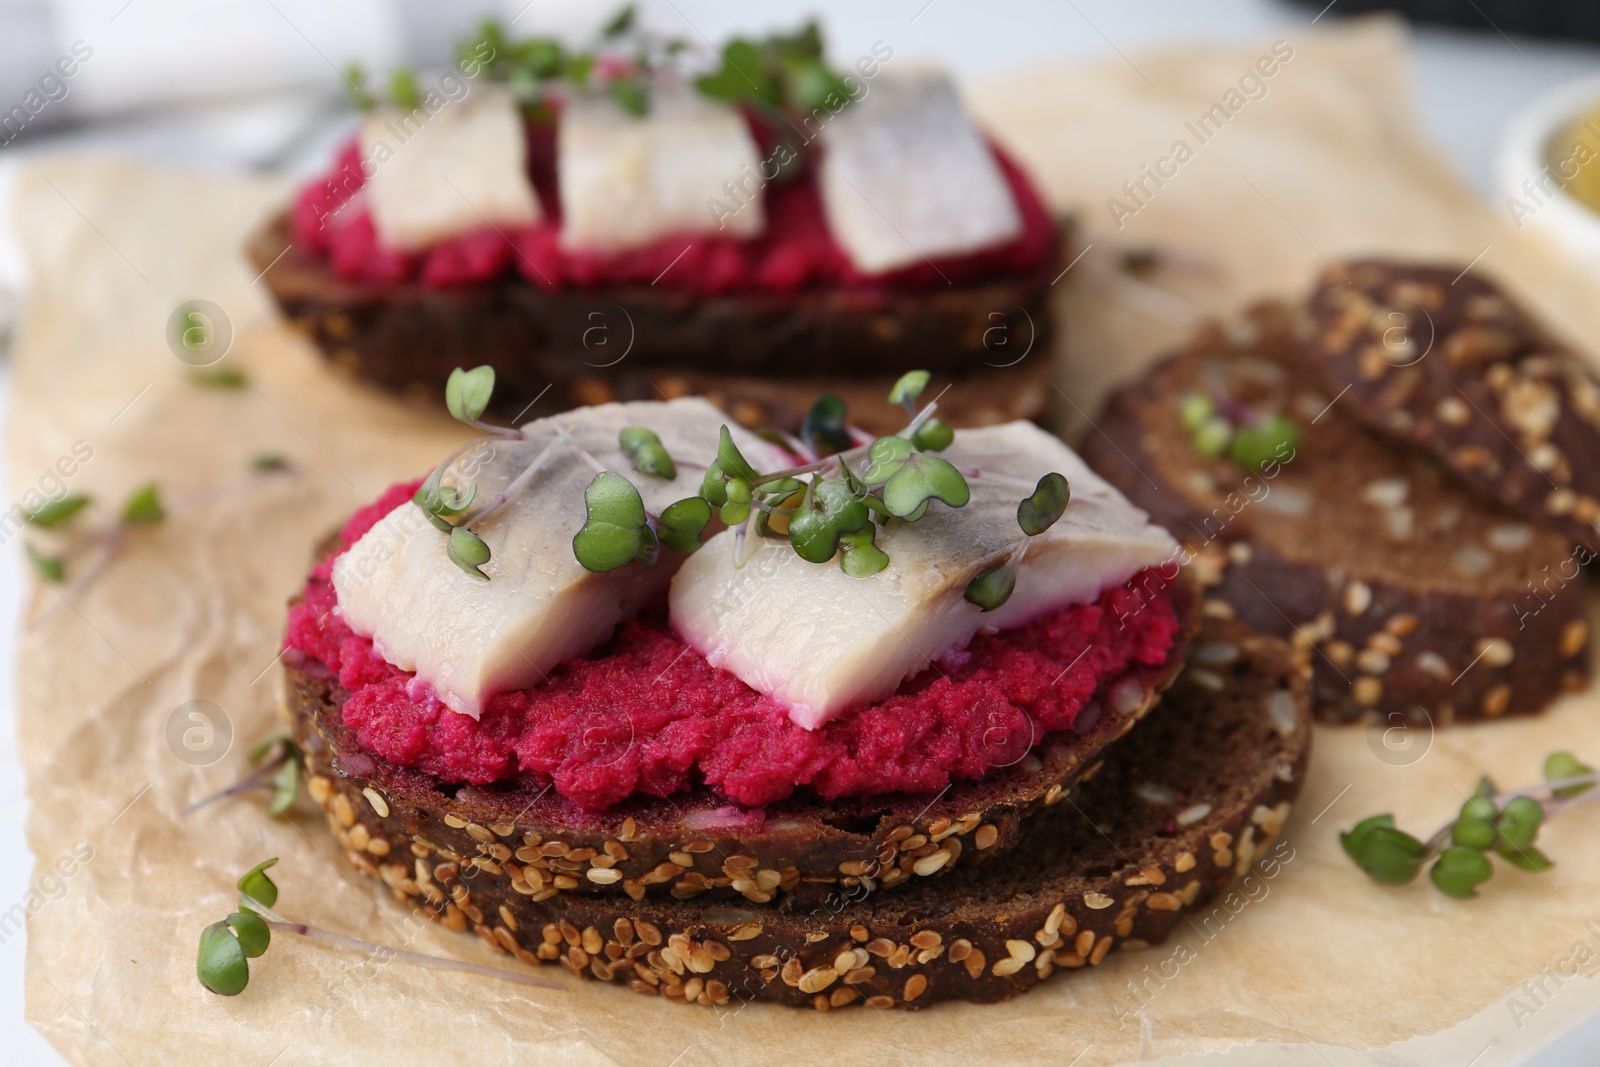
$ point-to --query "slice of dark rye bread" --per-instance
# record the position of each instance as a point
(1422, 599)
(1441, 359)
(764, 356)
(532, 840)
(1178, 809)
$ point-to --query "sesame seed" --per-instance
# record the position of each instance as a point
(1097, 901)
(986, 836)
(603, 875)
(1494, 651)
(1357, 598)
(1574, 635)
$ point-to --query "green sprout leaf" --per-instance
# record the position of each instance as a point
(1528, 859)
(1194, 411)
(620, 23)
(144, 507)
(50, 568)
(1255, 446)
(1048, 503)
(1518, 825)
(1561, 765)
(403, 89)
(828, 511)
(58, 512)
(257, 886)
(909, 387)
(1388, 855)
(648, 454)
(1459, 871)
(731, 460)
(682, 523)
(355, 85)
(286, 787)
(467, 392)
(264, 462)
(221, 964)
(860, 556)
(991, 588)
(467, 551)
(934, 435)
(220, 378)
(630, 95)
(1213, 437)
(824, 429)
(923, 478)
(885, 456)
(252, 931)
(614, 529)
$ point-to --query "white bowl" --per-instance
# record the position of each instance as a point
(1524, 158)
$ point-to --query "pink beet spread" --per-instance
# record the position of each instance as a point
(793, 253)
(647, 715)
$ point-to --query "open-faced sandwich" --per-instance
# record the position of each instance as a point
(1424, 599)
(727, 717)
(639, 221)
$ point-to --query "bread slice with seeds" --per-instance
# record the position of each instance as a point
(1441, 359)
(1422, 599)
(1181, 807)
(538, 843)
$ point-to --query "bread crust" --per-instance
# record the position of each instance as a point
(1151, 838)
(1441, 359)
(1444, 625)
(763, 356)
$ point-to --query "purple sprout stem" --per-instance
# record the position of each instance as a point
(243, 785)
(1552, 804)
(439, 963)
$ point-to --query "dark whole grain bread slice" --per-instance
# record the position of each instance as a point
(762, 357)
(1181, 807)
(1422, 599)
(1441, 359)
(532, 840)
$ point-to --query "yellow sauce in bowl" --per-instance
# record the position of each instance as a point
(1574, 158)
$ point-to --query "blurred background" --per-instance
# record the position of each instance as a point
(256, 85)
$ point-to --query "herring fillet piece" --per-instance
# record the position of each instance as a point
(905, 176)
(444, 174)
(627, 181)
(469, 639)
(821, 641)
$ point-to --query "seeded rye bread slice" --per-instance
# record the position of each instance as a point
(1421, 598)
(761, 357)
(1445, 361)
(534, 841)
(1179, 808)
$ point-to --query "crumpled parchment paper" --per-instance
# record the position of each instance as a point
(1307, 963)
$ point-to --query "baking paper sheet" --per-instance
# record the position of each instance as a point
(1311, 964)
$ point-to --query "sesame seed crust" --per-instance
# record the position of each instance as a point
(1104, 873)
(1420, 601)
(1511, 410)
(685, 848)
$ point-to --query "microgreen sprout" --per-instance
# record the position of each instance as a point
(220, 378)
(278, 762)
(992, 587)
(782, 73)
(58, 512)
(227, 946)
(648, 454)
(1218, 425)
(1505, 824)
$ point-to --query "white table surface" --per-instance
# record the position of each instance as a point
(1469, 85)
